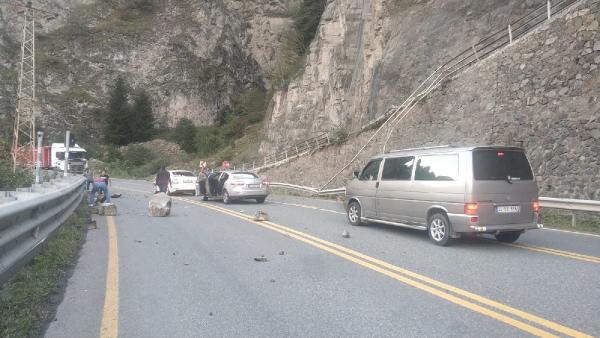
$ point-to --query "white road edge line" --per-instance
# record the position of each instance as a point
(572, 232)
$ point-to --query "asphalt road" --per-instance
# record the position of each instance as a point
(194, 274)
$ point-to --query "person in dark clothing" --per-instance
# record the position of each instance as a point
(105, 177)
(89, 179)
(163, 179)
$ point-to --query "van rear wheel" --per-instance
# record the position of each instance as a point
(439, 229)
(354, 213)
(508, 237)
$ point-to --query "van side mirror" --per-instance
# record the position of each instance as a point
(355, 173)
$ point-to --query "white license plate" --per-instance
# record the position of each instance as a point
(253, 185)
(188, 181)
(508, 209)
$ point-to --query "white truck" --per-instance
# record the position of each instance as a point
(77, 158)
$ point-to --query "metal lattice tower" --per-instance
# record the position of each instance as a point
(24, 129)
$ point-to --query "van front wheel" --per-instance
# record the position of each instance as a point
(508, 237)
(354, 213)
(439, 229)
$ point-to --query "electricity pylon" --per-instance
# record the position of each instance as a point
(24, 129)
(23, 145)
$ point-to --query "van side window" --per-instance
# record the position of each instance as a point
(371, 171)
(437, 168)
(398, 168)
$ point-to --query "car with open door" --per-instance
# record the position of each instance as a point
(233, 185)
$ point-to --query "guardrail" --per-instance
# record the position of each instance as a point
(545, 202)
(29, 217)
(473, 54)
(308, 189)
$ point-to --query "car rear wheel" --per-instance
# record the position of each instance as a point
(260, 200)
(226, 198)
(508, 237)
(354, 213)
(439, 229)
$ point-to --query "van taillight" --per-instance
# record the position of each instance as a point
(471, 208)
(536, 206)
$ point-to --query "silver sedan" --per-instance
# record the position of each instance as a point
(232, 185)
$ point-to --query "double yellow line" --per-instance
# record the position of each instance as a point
(550, 251)
(485, 306)
(567, 254)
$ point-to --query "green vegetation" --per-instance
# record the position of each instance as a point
(26, 299)
(9, 181)
(562, 219)
(231, 125)
(306, 17)
(341, 135)
(128, 123)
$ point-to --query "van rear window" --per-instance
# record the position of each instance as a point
(499, 164)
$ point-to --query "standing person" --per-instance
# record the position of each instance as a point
(163, 179)
(89, 178)
(99, 185)
(105, 177)
(202, 177)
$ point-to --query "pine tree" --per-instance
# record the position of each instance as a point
(184, 135)
(118, 124)
(142, 127)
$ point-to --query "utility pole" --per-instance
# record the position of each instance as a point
(24, 128)
(24, 133)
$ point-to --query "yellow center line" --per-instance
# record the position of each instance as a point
(110, 314)
(331, 247)
(556, 252)
(567, 254)
(405, 276)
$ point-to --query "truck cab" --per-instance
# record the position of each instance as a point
(77, 157)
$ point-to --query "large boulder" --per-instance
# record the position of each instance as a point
(159, 205)
(107, 209)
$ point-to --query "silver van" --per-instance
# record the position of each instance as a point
(448, 192)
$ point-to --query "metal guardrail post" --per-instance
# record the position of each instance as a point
(573, 219)
(67, 143)
(549, 9)
(38, 163)
(509, 34)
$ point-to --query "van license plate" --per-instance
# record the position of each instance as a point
(508, 209)
(188, 181)
(253, 185)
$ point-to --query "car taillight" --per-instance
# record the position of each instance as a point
(536, 206)
(237, 184)
(471, 208)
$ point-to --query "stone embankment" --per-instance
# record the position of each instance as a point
(542, 93)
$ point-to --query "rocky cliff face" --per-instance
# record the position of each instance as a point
(193, 57)
(369, 55)
(542, 93)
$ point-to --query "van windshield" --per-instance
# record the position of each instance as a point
(500, 164)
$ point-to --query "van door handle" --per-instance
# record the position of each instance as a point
(377, 185)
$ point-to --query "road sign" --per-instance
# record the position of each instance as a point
(226, 164)
(202, 164)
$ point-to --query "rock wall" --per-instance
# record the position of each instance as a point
(193, 57)
(542, 93)
(371, 54)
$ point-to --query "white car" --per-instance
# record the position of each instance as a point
(182, 181)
